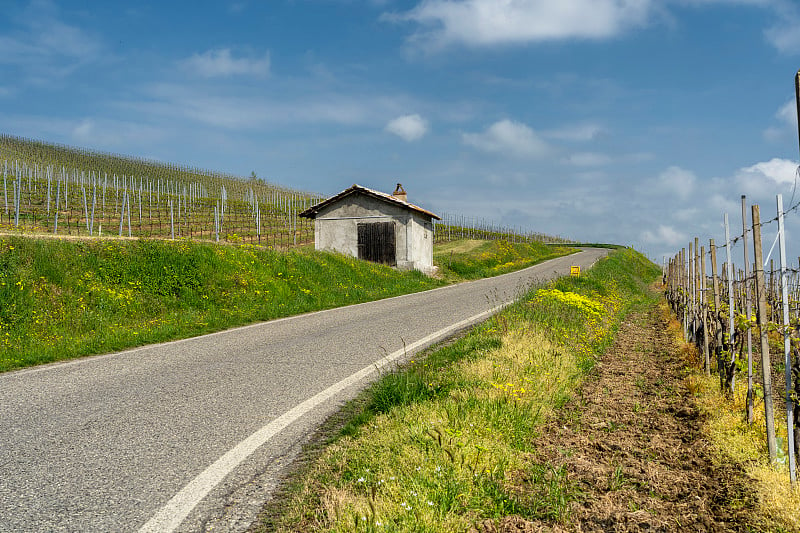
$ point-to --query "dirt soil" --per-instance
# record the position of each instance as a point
(630, 443)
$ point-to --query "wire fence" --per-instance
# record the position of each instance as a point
(722, 310)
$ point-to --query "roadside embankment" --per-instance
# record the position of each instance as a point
(67, 298)
(449, 442)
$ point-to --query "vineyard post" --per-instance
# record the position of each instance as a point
(94, 202)
(58, 199)
(690, 287)
(85, 209)
(698, 301)
(797, 96)
(676, 283)
(122, 213)
(787, 349)
(48, 191)
(684, 280)
(749, 311)
(715, 284)
(129, 207)
(771, 290)
(704, 311)
(171, 221)
(766, 366)
(731, 330)
(216, 221)
(5, 190)
(16, 206)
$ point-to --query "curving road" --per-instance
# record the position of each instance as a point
(193, 434)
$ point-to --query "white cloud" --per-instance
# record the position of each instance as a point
(580, 132)
(787, 116)
(408, 127)
(788, 112)
(109, 134)
(675, 181)
(785, 35)
(493, 22)
(221, 63)
(44, 46)
(83, 131)
(508, 138)
(779, 171)
(257, 109)
(664, 235)
(515, 179)
(589, 159)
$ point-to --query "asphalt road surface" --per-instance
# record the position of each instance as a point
(193, 435)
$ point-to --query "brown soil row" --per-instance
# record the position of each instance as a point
(631, 445)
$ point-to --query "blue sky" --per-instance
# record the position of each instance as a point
(632, 121)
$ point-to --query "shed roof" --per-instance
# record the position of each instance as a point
(312, 211)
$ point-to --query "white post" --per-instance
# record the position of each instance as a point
(58, 199)
(5, 190)
(122, 213)
(94, 202)
(85, 208)
(730, 298)
(786, 342)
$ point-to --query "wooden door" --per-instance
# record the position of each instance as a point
(376, 242)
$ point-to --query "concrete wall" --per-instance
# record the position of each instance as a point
(336, 229)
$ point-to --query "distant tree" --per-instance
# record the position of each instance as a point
(253, 176)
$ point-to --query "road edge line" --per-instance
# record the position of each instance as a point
(175, 511)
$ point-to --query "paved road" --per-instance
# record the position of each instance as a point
(187, 435)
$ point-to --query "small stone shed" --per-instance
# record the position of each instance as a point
(375, 226)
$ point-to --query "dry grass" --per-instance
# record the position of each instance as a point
(461, 246)
(745, 445)
(428, 464)
(451, 442)
(735, 441)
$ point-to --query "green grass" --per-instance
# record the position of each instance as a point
(63, 298)
(445, 442)
(472, 259)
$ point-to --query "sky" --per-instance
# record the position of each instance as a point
(637, 122)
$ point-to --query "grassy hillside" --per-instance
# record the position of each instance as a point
(474, 259)
(66, 298)
(446, 443)
(64, 190)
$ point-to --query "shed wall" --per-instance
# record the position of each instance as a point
(336, 229)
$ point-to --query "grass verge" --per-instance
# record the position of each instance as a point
(67, 298)
(474, 259)
(447, 441)
(735, 442)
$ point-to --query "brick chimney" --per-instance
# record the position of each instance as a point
(400, 193)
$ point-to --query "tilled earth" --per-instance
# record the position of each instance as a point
(630, 444)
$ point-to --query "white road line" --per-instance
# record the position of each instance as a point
(169, 517)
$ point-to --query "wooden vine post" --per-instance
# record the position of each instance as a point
(684, 279)
(762, 327)
(704, 311)
(718, 333)
(690, 293)
(749, 311)
(730, 368)
(698, 305)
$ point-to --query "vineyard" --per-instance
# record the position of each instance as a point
(740, 318)
(61, 190)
